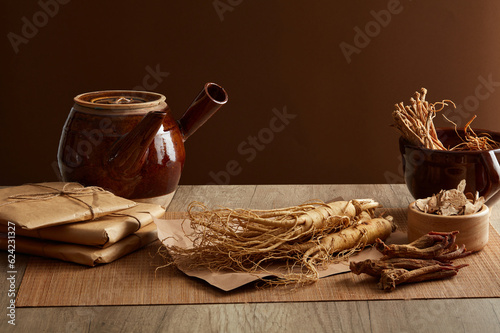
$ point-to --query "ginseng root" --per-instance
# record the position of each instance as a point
(350, 239)
(301, 238)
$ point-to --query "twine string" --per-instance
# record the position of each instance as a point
(139, 223)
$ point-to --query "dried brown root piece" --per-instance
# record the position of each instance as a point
(428, 246)
(376, 267)
(427, 258)
(454, 252)
(390, 278)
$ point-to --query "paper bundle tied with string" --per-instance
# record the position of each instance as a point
(42, 205)
(101, 232)
(66, 221)
(82, 254)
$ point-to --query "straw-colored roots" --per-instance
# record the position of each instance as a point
(416, 124)
(301, 238)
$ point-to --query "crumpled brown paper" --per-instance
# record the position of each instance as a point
(81, 254)
(41, 205)
(172, 232)
(101, 232)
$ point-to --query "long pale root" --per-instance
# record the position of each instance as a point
(350, 239)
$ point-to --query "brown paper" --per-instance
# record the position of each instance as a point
(41, 205)
(172, 232)
(81, 254)
(101, 232)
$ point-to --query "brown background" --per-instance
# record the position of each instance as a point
(268, 55)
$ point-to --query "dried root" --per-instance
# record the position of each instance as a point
(451, 202)
(390, 278)
(428, 246)
(472, 141)
(376, 267)
(302, 238)
(416, 124)
(427, 258)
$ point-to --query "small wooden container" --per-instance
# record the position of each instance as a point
(473, 229)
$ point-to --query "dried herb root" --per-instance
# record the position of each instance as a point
(427, 258)
(302, 238)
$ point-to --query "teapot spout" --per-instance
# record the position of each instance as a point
(208, 101)
(127, 155)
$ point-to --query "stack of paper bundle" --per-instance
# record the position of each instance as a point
(67, 221)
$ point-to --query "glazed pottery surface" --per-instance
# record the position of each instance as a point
(128, 142)
(473, 229)
(429, 171)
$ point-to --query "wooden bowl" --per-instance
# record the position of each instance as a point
(473, 229)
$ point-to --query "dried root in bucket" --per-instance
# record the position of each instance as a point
(416, 124)
(303, 237)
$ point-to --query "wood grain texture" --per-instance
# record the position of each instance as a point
(455, 315)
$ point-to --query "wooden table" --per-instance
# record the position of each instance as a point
(442, 315)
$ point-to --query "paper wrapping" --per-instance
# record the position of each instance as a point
(41, 205)
(101, 232)
(81, 254)
(173, 232)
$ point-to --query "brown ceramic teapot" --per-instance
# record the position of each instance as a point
(128, 142)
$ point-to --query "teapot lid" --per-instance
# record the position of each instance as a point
(119, 99)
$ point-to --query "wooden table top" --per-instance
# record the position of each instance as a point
(440, 315)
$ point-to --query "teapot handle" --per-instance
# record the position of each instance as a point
(492, 167)
(208, 101)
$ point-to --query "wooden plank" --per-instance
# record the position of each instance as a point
(473, 315)
(224, 195)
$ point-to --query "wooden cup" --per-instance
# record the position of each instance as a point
(473, 229)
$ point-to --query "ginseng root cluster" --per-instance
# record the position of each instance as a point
(301, 238)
